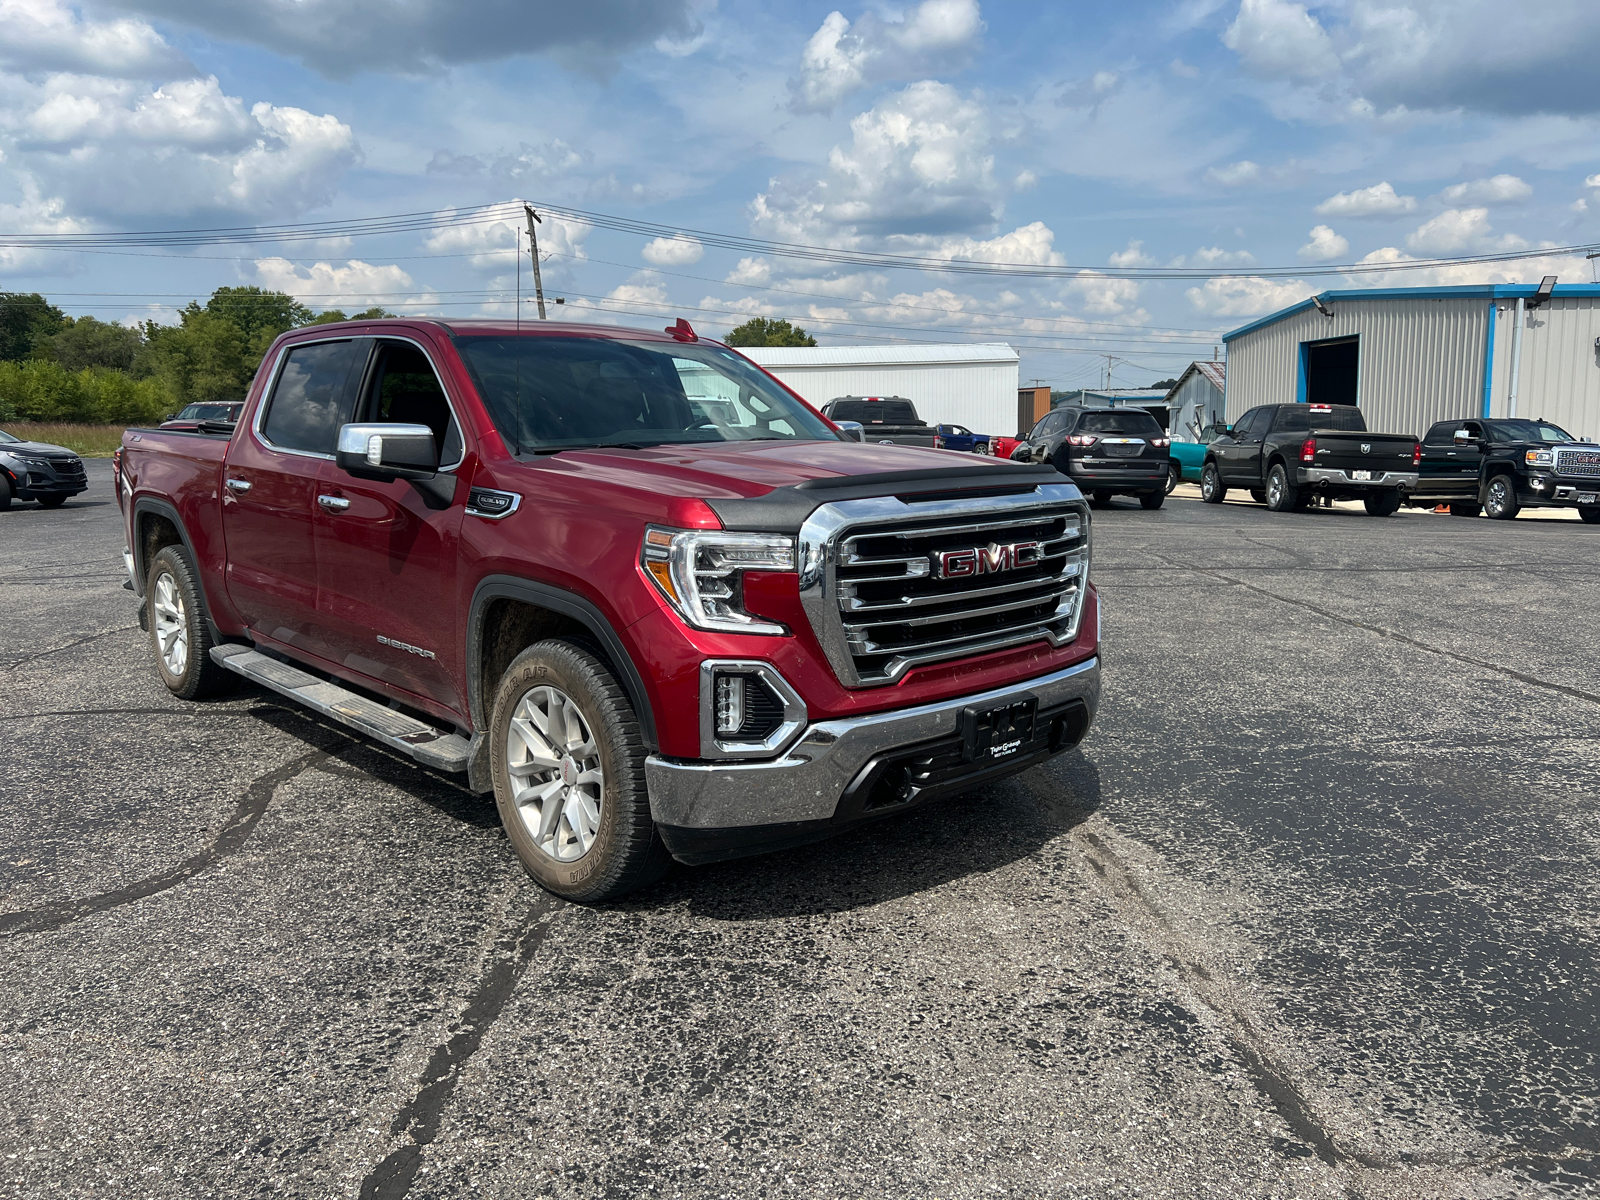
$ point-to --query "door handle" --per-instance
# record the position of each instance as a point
(239, 485)
(333, 503)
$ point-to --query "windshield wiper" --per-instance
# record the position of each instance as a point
(592, 446)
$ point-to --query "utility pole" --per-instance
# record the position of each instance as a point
(1106, 386)
(533, 247)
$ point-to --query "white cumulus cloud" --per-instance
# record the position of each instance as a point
(1497, 189)
(841, 58)
(679, 250)
(1459, 230)
(1275, 39)
(1246, 296)
(354, 284)
(1379, 200)
(1235, 174)
(1324, 246)
(1133, 256)
(39, 36)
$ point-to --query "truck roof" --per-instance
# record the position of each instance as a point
(501, 327)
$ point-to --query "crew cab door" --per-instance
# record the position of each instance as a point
(386, 556)
(1241, 449)
(269, 490)
(1449, 465)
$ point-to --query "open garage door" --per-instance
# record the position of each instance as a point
(1330, 371)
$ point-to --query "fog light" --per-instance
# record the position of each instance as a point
(730, 704)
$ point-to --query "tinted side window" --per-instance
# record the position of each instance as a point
(1292, 420)
(405, 390)
(310, 400)
(1444, 431)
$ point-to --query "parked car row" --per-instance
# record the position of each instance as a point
(1287, 456)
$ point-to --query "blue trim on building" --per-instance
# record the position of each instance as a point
(1300, 380)
(1488, 362)
(1495, 291)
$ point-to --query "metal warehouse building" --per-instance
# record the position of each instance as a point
(971, 384)
(1413, 356)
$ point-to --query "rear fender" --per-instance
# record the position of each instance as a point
(144, 508)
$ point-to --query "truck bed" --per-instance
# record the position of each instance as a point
(1362, 456)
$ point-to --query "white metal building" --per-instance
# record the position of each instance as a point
(1196, 400)
(966, 384)
(1413, 356)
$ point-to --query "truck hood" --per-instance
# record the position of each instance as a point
(743, 470)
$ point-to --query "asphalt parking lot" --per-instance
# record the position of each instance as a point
(1312, 913)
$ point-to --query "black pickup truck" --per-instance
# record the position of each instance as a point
(1505, 465)
(891, 420)
(1287, 454)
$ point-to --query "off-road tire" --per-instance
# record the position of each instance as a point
(55, 501)
(1466, 508)
(1590, 513)
(1281, 495)
(626, 853)
(1212, 490)
(1384, 504)
(1500, 499)
(1174, 477)
(1152, 500)
(200, 678)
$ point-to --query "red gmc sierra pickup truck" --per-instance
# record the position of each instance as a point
(626, 580)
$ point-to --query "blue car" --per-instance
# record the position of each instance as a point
(1189, 457)
(959, 437)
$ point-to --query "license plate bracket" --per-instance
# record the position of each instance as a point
(1588, 497)
(996, 732)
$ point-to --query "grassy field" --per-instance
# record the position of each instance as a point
(91, 441)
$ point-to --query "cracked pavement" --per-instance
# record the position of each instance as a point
(1311, 913)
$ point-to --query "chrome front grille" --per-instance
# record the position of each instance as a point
(1583, 463)
(890, 584)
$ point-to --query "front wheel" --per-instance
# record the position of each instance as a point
(1211, 489)
(55, 501)
(569, 781)
(1384, 504)
(1174, 474)
(1590, 514)
(1500, 500)
(5, 493)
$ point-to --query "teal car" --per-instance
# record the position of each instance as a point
(1189, 457)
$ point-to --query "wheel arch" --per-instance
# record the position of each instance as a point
(508, 614)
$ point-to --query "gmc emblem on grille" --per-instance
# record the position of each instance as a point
(988, 560)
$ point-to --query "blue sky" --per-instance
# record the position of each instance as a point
(1222, 134)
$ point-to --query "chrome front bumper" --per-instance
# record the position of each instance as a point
(807, 781)
(1399, 479)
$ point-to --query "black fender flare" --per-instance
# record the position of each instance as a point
(568, 604)
(162, 508)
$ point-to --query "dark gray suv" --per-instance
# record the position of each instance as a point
(38, 471)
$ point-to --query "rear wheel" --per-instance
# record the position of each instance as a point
(1174, 474)
(1211, 489)
(1152, 499)
(1500, 499)
(1384, 504)
(569, 781)
(179, 634)
(1590, 514)
(1466, 508)
(1102, 498)
(52, 501)
(1281, 495)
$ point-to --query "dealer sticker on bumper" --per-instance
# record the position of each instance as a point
(1361, 475)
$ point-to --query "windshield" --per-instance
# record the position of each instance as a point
(6, 437)
(557, 393)
(1529, 431)
(207, 412)
(1132, 421)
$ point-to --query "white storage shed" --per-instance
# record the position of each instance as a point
(971, 384)
(1413, 356)
(1196, 400)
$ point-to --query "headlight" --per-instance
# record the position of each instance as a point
(1539, 458)
(36, 462)
(701, 572)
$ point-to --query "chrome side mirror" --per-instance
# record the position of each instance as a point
(853, 430)
(386, 451)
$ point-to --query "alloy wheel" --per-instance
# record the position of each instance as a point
(1274, 490)
(557, 782)
(172, 629)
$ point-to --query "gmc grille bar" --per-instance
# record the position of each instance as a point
(879, 602)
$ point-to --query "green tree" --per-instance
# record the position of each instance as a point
(204, 357)
(26, 321)
(256, 311)
(86, 342)
(1169, 384)
(334, 314)
(765, 331)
